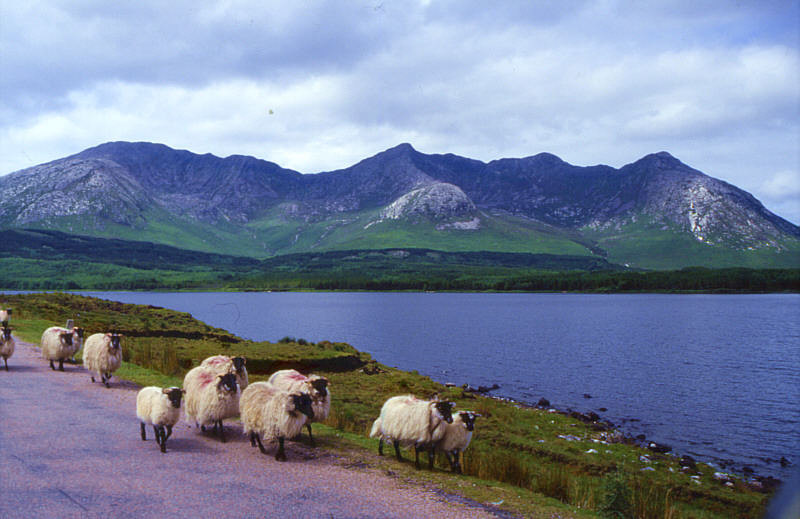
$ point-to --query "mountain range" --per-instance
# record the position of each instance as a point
(655, 213)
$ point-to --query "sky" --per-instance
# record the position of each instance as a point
(316, 85)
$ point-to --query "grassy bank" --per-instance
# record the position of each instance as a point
(531, 462)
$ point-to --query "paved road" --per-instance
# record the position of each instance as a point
(70, 448)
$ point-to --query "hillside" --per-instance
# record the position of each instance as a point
(653, 213)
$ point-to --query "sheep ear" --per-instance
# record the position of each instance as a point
(108, 334)
(165, 390)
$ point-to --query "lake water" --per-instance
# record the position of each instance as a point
(714, 376)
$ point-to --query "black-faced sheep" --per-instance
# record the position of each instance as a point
(210, 397)
(7, 345)
(316, 386)
(161, 408)
(102, 354)
(457, 436)
(58, 344)
(225, 364)
(272, 413)
(409, 421)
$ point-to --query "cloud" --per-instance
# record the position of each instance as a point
(319, 85)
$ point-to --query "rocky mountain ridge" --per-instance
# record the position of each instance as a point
(136, 185)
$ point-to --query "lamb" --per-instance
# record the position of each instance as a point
(102, 354)
(225, 364)
(409, 421)
(7, 345)
(5, 315)
(210, 397)
(457, 436)
(161, 408)
(58, 344)
(316, 386)
(273, 413)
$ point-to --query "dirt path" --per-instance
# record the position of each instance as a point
(70, 448)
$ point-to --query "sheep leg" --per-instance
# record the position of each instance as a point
(380, 446)
(397, 450)
(5, 361)
(258, 439)
(162, 442)
(281, 454)
(60, 364)
(169, 432)
(92, 375)
(431, 455)
(52, 366)
(106, 378)
(221, 431)
(416, 456)
(310, 437)
(451, 460)
(144, 434)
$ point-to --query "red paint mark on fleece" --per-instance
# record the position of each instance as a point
(216, 360)
(205, 378)
(297, 376)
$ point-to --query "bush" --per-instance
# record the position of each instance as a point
(616, 497)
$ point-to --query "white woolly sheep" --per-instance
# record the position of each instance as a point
(407, 420)
(272, 413)
(58, 344)
(210, 397)
(225, 364)
(161, 408)
(457, 436)
(102, 354)
(7, 345)
(5, 315)
(315, 385)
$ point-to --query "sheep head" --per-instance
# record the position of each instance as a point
(238, 363)
(174, 394)
(66, 338)
(468, 419)
(114, 342)
(78, 331)
(320, 385)
(6, 333)
(227, 382)
(301, 402)
(444, 410)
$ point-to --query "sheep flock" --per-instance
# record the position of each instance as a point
(271, 411)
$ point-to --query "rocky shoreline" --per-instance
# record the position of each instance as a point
(612, 433)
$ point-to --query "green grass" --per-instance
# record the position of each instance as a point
(516, 458)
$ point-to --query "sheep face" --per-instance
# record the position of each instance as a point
(114, 344)
(66, 338)
(238, 363)
(78, 331)
(445, 410)
(6, 333)
(227, 382)
(320, 385)
(174, 394)
(468, 417)
(303, 403)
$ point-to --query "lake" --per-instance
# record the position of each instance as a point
(714, 376)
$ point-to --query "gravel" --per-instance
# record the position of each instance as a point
(70, 448)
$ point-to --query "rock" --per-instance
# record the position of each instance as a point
(659, 447)
(784, 462)
(543, 402)
(688, 462)
(587, 395)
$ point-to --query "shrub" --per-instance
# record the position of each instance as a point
(616, 497)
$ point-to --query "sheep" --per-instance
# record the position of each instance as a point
(457, 436)
(317, 388)
(7, 345)
(5, 315)
(161, 408)
(210, 397)
(58, 344)
(408, 420)
(225, 364)
(102, 354)
(273, 413)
